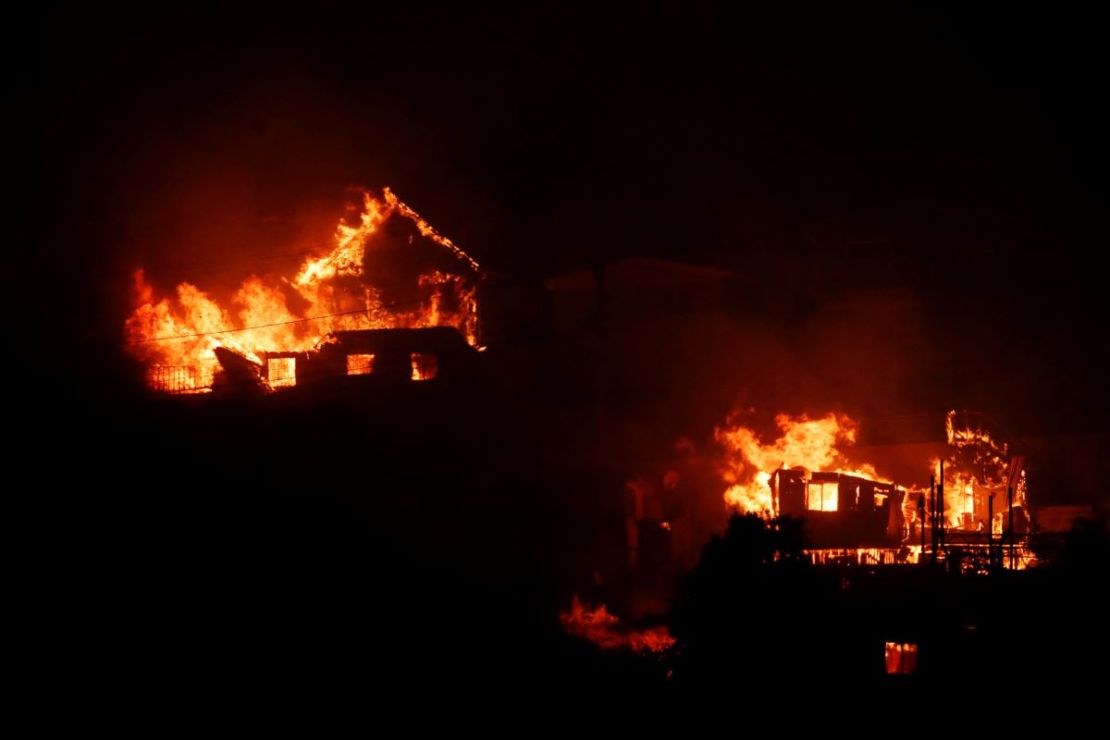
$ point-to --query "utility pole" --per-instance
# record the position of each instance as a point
(921, 522)
(990, 532)
(1010, 503)
(933, 514)
(940, 508)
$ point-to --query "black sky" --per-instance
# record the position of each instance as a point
(239, 547)
(200, 141)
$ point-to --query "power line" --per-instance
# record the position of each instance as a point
(246, 328)
(267, 326)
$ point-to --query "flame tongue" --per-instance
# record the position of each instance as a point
(177, 339)
(803, 442)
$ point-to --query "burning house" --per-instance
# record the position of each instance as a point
(381, 356)
(394, 304)
(392, 298)
(843, 510)
(387, 355)
(971, 513)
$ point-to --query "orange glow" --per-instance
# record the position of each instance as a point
(901, 657)
(175, 337)
(601, 628)
(360, 364)
(978, 474)
(865, 555)
(959, 493)
(282, 371)
(821, 496)
(423, 367)
(807, 443)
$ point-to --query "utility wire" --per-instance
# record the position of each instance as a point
(246, 328)
(423, 227)
(267, 326)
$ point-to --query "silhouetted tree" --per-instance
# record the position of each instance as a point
(1087, 547)
(754, 612)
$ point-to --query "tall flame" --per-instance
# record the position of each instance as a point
(328, 293)
(804, 442)
(977, 467)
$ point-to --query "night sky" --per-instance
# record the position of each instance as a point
(206, 143)
(424, 539)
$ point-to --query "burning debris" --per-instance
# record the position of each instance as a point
(976, 493)
(978, 470)
(601, 628)
(368, 280)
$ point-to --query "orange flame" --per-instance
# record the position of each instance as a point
(176, 339)
(804, 442)
(600, 627)
(977, 467)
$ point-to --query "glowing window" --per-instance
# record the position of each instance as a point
(360, 364)
(901, 657)
(423, 366)
(281, 371)
(821, 496)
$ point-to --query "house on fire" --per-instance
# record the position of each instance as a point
(841, 510)
(381, 356)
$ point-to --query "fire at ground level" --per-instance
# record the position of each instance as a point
(852, 520)
(978, 523)
(320, 542)
(503, 479)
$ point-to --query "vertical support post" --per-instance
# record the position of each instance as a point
(1010, 504)
(933, 514)
(990, 532)
(940, 508)
(921, 523)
